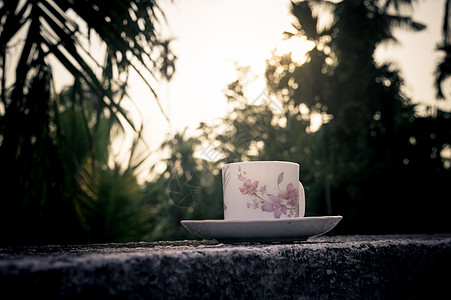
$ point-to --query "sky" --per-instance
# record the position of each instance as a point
(211, 37)
(416, 53)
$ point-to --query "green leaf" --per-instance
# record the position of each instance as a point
(280, 178)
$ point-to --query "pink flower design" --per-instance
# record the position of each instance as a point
(241, 177)
(291, 195)
(254, 204)
(249, 187)
(275, 206)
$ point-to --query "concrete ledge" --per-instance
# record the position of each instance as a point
(343, 267)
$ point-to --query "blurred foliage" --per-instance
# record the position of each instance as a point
(188, 188)
(443, 70)
(49, 149)
(112, 205)
(376, 159)
(108, 199)
(373, 168)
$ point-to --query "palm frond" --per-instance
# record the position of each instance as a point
(406, 23)
(303, 13)
(446, 31)
(71, 137)
(129, 29)
(443, 71)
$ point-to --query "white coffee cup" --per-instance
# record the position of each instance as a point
(262, 190)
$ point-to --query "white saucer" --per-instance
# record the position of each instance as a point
(262, 230)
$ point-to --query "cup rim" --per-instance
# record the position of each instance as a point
(261, 162)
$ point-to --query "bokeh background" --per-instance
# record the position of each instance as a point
(115, 118)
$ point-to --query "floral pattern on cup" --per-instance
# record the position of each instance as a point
(284, 203)
(249, 187)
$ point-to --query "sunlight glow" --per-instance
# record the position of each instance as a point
(316, 120)
(299, 47)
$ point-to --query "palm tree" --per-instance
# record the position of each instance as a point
(128, 28)
(443, 70)
(361, 102)
(33, 35)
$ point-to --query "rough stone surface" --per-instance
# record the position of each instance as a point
(341, 267)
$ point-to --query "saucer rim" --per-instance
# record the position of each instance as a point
(259, 220)
(327, 223)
